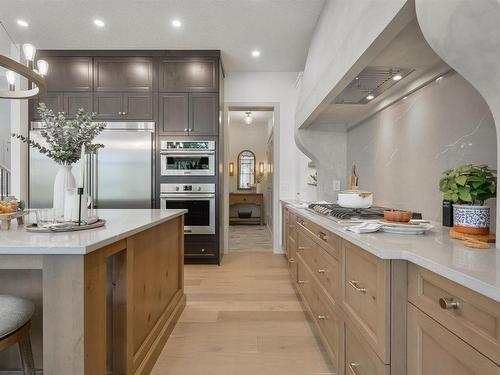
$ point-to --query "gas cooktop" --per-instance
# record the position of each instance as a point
(338, 213)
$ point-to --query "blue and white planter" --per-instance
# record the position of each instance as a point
(471, 219)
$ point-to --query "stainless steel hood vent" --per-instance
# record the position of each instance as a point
(373, 80)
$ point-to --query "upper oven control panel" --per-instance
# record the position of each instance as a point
(187, 188)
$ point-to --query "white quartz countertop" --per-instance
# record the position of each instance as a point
(120, 224)
(475, 269)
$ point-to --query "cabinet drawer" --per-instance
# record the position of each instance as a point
(432, 349)
(329, 241)
(322, 264)
(200, 250)
(360, 359)
(365, 288)
(476, 319)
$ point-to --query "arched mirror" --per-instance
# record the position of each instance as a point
(246, 170)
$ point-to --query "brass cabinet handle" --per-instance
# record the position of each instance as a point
(322, 236)
(300, 221)
(355, 285)
(185, 129)
(301, 282)
(202, 250)
(448, 303)
(352, 367)
(124, 113)
(291, 260)
(322, 271)
(322, 317)
(301, 248)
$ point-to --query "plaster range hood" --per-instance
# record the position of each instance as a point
(408, 54)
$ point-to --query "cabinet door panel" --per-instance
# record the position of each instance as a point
(138, 106)
(188, 75)
(204, 113)
(69, 73)
(174, 113)
(123, 74)
(108, 105)
(53, 100)
(73, 101)
(433, 350)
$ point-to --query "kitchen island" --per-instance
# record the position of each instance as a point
(107, 298)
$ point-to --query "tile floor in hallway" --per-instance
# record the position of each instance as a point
(250, 237)
(242, 318)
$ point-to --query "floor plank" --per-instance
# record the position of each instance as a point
(242, 318)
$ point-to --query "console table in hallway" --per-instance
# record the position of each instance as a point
(251, 199)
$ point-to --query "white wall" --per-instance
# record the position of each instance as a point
(278, 89)
(5, 104)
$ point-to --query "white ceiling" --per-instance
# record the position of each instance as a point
(258, 117)
(280, 29)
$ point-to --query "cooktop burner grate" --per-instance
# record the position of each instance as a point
(343, 213)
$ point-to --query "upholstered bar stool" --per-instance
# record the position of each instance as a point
(15, 324)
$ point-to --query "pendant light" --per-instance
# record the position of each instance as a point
(36, 81)
(248, 118)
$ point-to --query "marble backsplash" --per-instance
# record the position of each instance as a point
(401, 152)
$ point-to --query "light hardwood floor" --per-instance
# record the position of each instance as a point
(242, 318)
(250, 238)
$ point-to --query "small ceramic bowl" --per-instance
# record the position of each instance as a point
(397, 216)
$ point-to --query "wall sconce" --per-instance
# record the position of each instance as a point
(261, 168)
(231, 169)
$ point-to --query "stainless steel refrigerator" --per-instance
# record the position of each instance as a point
(120, 175)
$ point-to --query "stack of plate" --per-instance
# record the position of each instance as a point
(404, 228)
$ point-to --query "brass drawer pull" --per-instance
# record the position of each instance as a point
(301, 248)
(291, 260)
(352, 367)
(355, 285)
(301, 282)
(300, 221)
(322, 317)
(448, 303)
(322, 271)
(322, 236)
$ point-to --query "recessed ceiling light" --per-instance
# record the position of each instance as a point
(439, 79)
(370, 97)
(404, 98)
(98, 22)
(176, 23)
(397, 77)
(22, 23)
(255, 53)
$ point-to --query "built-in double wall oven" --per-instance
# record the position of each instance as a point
(187, 158)
(198, 199)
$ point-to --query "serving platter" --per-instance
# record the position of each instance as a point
(65, 227)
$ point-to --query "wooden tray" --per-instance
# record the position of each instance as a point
(478, 241)
(6, 219)
(75, 228)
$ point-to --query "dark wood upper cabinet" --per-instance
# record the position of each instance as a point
(108, 105)
(69, 73)
(53, 101)
(187, 75)
(137, 106)
(73, 101)
(133, 74)
(174, 113)
(204, 109)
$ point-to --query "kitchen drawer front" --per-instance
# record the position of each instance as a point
(365, 294)
(432, 349)
(325, 267)
(327, 319)
(200, 250)
(476, 319)
(360, 359)
(329, 241)
(248, 199)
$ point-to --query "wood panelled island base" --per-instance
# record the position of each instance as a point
(111, 309)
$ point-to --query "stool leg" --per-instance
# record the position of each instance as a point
(26, 355)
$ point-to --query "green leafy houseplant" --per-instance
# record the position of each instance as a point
(469, 184)
(65, 137)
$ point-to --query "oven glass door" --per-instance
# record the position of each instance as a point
(198, 214)
(188, 163)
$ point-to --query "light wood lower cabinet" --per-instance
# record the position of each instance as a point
(433, 350)
(365, 284)
(360, 359)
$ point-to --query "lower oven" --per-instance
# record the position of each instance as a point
(198, 199)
